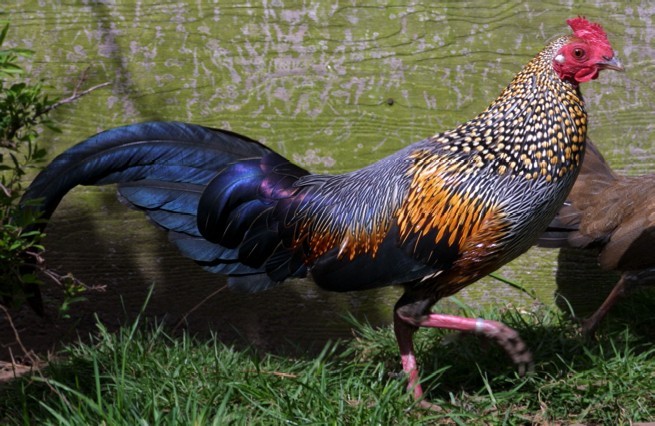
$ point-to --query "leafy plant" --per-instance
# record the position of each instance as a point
(23, 109)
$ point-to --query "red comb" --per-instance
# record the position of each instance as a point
(586, 30)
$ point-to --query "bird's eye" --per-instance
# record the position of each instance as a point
(578, 53)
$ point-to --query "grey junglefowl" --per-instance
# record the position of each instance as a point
(433, 217)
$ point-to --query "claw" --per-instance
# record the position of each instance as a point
(509, 339)
(427, 405)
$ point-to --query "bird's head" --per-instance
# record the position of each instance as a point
(586, 54)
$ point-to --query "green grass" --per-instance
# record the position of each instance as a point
(141, 375)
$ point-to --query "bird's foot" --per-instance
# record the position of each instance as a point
(588, 327)
(427, 405)
(508, 339)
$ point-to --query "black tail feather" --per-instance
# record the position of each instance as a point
(163, 169)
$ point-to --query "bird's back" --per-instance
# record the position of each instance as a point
(606, 210)
(621, 219)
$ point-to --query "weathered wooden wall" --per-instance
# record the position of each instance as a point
(333, 85)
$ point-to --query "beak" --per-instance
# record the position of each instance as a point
(612, 63)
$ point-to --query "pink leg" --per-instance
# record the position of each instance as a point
(507, 338)
(404, 333)
(405, 327)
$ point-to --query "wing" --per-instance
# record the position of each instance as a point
(398, 221)
(630, 244)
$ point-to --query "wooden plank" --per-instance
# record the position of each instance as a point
(333, 86)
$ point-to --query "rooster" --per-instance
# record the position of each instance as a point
(433, 217)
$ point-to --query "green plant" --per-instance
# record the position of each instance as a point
(23, 109)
